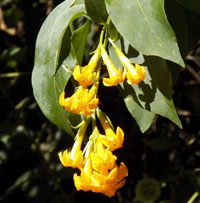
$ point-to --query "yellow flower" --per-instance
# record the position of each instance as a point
(102, 159)
(83, 101)
(85, 180)
(69, 159)
(113, 181)
(86, 76)
(75, 157)
(115, 76)
(111, 139)
(135, 74)
(105, 184)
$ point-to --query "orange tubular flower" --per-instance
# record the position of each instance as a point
(115, 76)
(86, 76)
(83, 182)
(107, 185)
(75, 157)
(83, 101)
(135, 74)
(111, 140)
(102, 159)
(114, 181)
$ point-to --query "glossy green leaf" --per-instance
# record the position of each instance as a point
(193, 5)
(96, 10)
(155, 92)
(48, 89)
(51, 73)
(145, 26)
(79, 39)
(153, 95)
(143, 117)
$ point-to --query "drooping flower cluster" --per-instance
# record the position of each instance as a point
(85, 100)
(99, 171)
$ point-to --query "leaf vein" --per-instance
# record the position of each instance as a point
(147, 20)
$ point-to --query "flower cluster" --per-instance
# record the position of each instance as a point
(99, 171)
(85, 100)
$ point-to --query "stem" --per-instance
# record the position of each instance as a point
(83, 126)
(113, 44)
(106, 39)
(194, 196)
(102, 34)
(106, 35)
(98, 69)
(108, 21)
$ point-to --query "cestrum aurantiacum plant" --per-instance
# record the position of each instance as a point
(99, 171)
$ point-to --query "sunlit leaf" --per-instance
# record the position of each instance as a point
(143, 117)
(153, 95)
(155, 92)
(144, 24)
(51, 73)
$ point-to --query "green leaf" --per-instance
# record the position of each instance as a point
(96, 10)
(193, 5)
(145, 26)
(153, 95)
(51, 73)
(48, 89)
(79, 39)
(155, 92)
(143, 117)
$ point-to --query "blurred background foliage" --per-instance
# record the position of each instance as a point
(164, 163)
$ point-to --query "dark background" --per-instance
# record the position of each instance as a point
(30, 170)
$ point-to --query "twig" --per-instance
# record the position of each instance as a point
(193, 72)
(194, 196)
